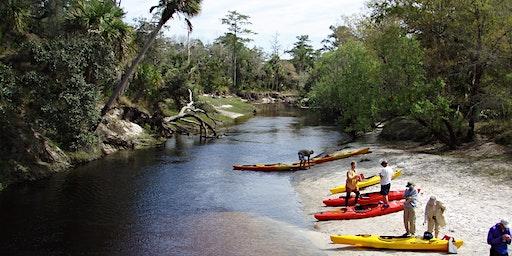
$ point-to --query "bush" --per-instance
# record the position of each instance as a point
(500, 130)
(347, 85)
(403, 128)
(57, 90)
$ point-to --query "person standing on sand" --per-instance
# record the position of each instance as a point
(303, 153)
(351, 183)
(499, 238)
(385, 181)
(434, 216)
(411, 201)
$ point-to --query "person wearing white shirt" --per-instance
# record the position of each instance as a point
(385, 181)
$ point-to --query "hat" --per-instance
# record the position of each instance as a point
(383, 161)
(410, 184)
(504, 223)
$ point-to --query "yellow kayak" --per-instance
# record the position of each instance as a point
(366, 182)
(395, 242)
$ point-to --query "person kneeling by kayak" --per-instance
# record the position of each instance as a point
(351, 183)
(303, 153)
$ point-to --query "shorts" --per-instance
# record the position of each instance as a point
(301, 157)
(384, 189)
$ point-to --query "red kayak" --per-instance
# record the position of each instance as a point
(366, 198)
(361, 212)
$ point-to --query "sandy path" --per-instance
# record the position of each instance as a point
(475, 198)
(222, 111)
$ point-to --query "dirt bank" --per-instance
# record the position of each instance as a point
(476, 192)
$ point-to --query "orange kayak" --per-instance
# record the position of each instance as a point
(339, 155)
(269, 167)
(295, 166)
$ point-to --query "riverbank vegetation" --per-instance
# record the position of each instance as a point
(74, 75)
(445, 64)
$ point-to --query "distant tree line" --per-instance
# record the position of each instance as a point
(446, 64)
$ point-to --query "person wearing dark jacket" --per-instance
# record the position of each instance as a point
(303, 154)
(499, 238)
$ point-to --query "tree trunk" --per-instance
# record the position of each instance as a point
(476, 78)
(438, 134)
(452, 139)
(188, 47)
(234, 65)
(123, 83)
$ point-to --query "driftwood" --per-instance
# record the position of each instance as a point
(190, 112)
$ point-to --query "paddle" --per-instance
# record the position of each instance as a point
(319, 155)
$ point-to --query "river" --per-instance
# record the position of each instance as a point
(182, 198)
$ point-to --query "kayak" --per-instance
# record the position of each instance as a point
(366, 182)
(364, 199)
(295, 166)
(339, 155)
(270, 167)
(395, 242)
(361, 212)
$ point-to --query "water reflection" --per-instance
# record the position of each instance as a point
(179, 199)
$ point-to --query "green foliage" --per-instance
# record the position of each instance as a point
(146, 83)
(437, 114)
(101, 18)
(347, 85)
(14, 16)
(237, 26)
(63, 88)
(9, 106)
(303, 55)
(8, 89)
(279, 74)
(212, 69)
(167, 9)
(237, 105)
(176, 85)
(340, 35)
(402, 73)
(465, 43)
(250, 68)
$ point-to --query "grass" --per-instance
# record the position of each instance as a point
(238, 106)
(148, 139)
(82, 156)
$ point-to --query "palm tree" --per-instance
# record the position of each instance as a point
(14, 16)
(168, 8)
(103, 18)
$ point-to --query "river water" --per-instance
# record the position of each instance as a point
(182, 198)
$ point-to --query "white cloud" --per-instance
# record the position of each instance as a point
(288, 18)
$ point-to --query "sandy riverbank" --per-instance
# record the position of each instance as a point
(476, 192)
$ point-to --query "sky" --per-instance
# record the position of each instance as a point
(286, 18)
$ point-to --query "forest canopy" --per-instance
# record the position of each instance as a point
(446, 64)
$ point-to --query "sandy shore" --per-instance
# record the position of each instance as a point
(476, 192)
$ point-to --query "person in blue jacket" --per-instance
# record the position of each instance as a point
(499, 238)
